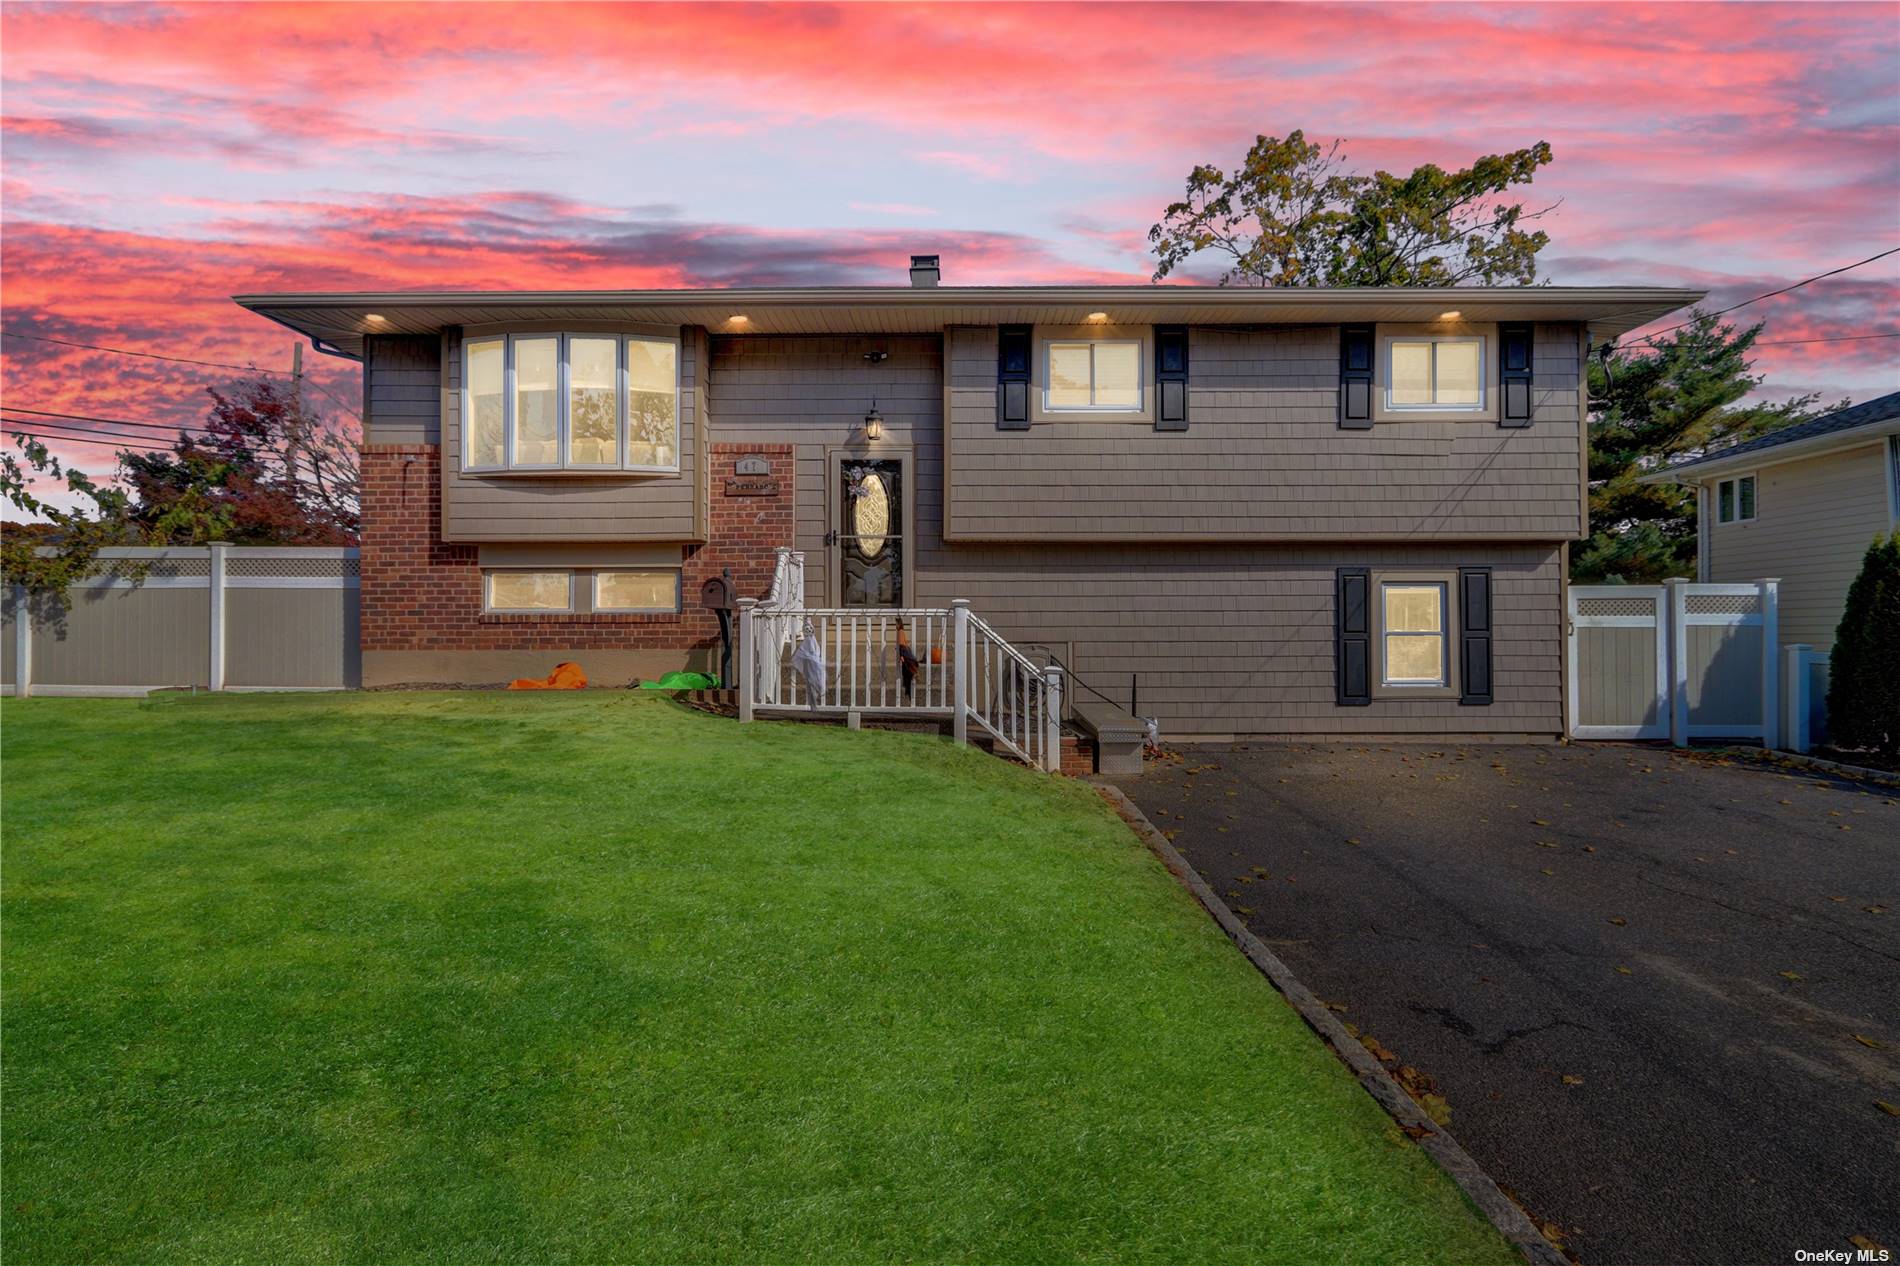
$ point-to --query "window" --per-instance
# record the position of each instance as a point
(647, 590)
(1434, 373)
(1413, 635)
(1735, 500)
(1088, 376)
(570, 402)
(528, 591)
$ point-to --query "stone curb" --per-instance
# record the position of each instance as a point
(1859, 772)
(1512, 1222)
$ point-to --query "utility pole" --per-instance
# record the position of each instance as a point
(296, 372)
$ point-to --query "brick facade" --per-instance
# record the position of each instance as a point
(422, 594)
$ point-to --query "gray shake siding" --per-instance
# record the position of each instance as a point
(1226, 638)
(1263, 458)
(1202, 561)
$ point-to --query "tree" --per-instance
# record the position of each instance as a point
(1289, 217)
(264, 471)
(1863, 692)
(1648, 407)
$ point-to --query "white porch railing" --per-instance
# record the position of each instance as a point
(830, 660)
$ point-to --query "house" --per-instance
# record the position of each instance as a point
(1801, 504)
(1244, 511)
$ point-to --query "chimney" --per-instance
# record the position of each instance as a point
(923, 271)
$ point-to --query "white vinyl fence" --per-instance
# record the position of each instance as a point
(219, 617)
(1681, 661)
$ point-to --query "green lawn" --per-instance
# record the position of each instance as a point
(494, 977)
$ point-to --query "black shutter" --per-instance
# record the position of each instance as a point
(1514, 375)
(1352, 633)
(1474, 635)
(1355, 377)
(1012, 378)
(1171, 378)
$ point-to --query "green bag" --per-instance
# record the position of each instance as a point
(682, 681)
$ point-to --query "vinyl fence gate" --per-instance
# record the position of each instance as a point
(1680, 661)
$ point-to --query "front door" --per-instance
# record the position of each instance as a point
(869, 550)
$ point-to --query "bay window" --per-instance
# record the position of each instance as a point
(582, 402)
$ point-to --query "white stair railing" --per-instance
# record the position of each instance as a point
(961, 668)
(1016, 701)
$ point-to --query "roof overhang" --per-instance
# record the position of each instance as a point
(1773, 455)
(339, 322)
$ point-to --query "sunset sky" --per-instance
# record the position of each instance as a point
(160, 158)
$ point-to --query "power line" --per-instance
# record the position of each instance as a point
(187, 360)
(88, 417)
(70, 439)
(1805, 281)
(1840, 338)
(77, 431)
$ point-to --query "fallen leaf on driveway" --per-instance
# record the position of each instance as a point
(1624, 971)
(1837, 898)
(1417, 1132)
(1436, 1108)
(1787, 802)
(1352, 839)
(1547, 843)
(1539, 822)
(1876, 909)
(1862, 1242)
(1619, 920)
(1868, 1042)
(1887, 1108)
(1548, 871)
(1571, 1079)
(1589, 848)
(1788, 975)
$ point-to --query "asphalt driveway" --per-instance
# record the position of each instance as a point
(1660, 991)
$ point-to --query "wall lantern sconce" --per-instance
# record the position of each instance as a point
(874, 424)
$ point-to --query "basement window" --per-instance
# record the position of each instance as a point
(527, 591)
(654, 590)
(570, 402)
(1735, 500)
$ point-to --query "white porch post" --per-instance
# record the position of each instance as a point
(748, 675)
(1770, 664)
(1676, 593)
(1052, 718)
(960, 668)
(22, 643)
(215, 679)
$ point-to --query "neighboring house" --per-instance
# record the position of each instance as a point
(1801, 504)
(1287, 512)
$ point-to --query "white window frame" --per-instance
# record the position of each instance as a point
(488, 591)
(1736, 500)
(601, 607)
(1484, 368)
(622, 412)
(1141, 376)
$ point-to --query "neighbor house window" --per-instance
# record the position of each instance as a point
(571, 402)
(1434, 373)
(1412, 628)
(657, 589)
(528, 591)
(1090, 376)
(1735, 500)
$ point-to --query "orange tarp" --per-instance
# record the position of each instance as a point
(564, 677)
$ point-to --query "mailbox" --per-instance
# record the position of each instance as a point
(716, 594)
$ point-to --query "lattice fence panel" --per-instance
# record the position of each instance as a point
(1616, 606)
(1722, 604)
